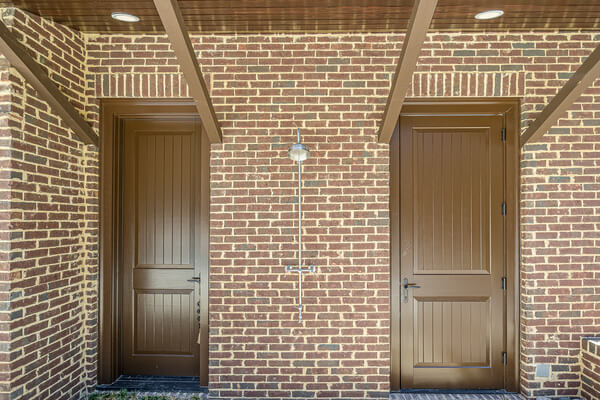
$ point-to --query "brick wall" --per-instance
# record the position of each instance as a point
(257, 348)
(334, 87)
(48, 225)
(590, 369)
(5, 234)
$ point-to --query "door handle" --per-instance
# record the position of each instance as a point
(196, 279)
(407, 286)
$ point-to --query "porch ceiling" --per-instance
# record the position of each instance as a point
(227, 16)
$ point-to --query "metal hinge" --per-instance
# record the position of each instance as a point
(504, 357)
(503, 283)
(504, 208)
(503, 134)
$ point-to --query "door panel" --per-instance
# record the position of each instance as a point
(163, 322)
(161, 227)
(450, 175)
(452, 247)
(448, 332)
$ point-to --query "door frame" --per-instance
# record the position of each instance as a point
(113, 113)
(510, 109)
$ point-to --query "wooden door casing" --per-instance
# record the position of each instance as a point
(115, 114)
(449, 237)
(161, 247)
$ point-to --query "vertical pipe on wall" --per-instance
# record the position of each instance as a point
(299, 237)
(299, 152)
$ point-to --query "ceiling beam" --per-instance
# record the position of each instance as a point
(172, 21)
(18, 57)
(422, 13)
(582, 79)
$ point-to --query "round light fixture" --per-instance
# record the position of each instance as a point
(298, 152)
(490, 14)
(124, 17)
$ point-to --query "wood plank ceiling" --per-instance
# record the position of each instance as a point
(227, 16)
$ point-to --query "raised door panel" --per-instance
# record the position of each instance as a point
(164, 200)
(451, 194)
(163, 323)
(452, 332)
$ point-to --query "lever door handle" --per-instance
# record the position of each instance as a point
(196, 279)
(407, 286)
(410, 285)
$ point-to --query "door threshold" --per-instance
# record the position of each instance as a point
(453, 391)
(155, 384)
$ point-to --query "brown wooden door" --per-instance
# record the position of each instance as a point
(452, 246)
(163, 247)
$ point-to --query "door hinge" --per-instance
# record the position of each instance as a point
(503, 283)
(503, 134)
(504, 208)
(504, 357)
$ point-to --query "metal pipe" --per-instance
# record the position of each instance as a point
(299, 152)
(299, 237)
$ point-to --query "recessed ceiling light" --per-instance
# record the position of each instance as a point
(489, 14)
(124, 17)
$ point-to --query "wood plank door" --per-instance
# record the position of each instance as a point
(452, 251)
(163, 247)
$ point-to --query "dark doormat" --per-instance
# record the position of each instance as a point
(454, 395)
(454, 391)
(147, 383)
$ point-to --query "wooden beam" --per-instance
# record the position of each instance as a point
(422, 13)
(172, 21)
(566, 96)
(33, 73)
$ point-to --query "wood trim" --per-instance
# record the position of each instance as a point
(110, 237)
(112, 114)
(583, 78)
(513, 248)
(173, 22)
(416, 34)
(19, 57)
(396, 275)
(203, 246)
(510, 108)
